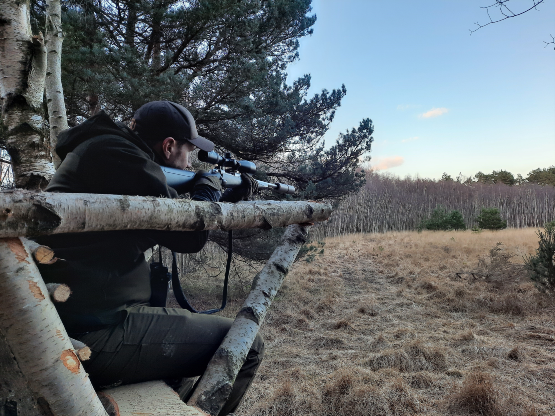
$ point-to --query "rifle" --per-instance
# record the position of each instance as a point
(228, 170)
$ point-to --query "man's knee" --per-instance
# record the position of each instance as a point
(258, 345)
(256, 353)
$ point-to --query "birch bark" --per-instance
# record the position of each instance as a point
(37, 338)
(24, 213)
(57, 116)
(217, 381)
(15, 396)
(151, 398)
(22, 77)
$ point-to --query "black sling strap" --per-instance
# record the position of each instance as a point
(178, 291)
(159, 282)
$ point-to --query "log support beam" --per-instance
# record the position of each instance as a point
(217, 381)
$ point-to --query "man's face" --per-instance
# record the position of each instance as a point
(179, 156)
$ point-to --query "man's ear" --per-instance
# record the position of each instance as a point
(168, 146)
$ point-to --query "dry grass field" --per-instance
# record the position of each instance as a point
(436, 323)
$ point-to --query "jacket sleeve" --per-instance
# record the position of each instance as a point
(178, 241)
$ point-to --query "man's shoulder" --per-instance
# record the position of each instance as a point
(109, 143)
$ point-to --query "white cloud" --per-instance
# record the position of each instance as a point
(384, 163)
(434, 112)
(410, 139)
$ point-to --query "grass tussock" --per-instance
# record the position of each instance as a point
(478, 395)
(431, 323)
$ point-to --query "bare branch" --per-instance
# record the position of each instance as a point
(550, 43)
(505, 12)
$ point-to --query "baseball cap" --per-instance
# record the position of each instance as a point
(157, 120)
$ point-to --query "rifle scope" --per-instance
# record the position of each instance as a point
(242, 166)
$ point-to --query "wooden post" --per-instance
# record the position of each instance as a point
(217, 381)
(37, 338)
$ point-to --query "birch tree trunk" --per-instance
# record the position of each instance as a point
(24, 213)
(217, 381)
(22, 77)
(15, 396)
(57, 116)
(38, 340)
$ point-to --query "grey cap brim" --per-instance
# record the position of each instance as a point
(202, 143)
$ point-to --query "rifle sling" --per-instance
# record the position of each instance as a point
(178, 291)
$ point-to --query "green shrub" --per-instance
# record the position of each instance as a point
(443, 220)
(542, 265)
(490, 219)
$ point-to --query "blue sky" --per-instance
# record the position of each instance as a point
(441, 100)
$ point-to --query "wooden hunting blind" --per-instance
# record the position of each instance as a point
(45, 368)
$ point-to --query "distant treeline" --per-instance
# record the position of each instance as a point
(538, 176)
(388, 203)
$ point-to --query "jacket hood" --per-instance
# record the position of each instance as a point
(97, 125)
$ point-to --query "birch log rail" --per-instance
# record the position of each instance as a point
(25, 213)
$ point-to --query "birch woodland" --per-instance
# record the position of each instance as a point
(388, 203)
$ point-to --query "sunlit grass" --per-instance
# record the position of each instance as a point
(410, 323)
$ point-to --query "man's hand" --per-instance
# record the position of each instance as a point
(204, 180)
(248, 187)
(207, 187)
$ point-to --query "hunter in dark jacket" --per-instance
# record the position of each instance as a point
(106, 271)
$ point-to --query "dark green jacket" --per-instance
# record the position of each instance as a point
(106, 271)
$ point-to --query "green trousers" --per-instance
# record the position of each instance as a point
(163, 343)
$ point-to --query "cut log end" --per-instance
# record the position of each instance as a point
(44, 255)
(83, 352)
(58, 292)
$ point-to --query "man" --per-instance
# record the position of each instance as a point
(109, 278)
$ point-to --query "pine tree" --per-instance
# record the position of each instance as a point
(441, 219)
(542, 176)
(224, 60)
(490, 219)
(542, 265)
